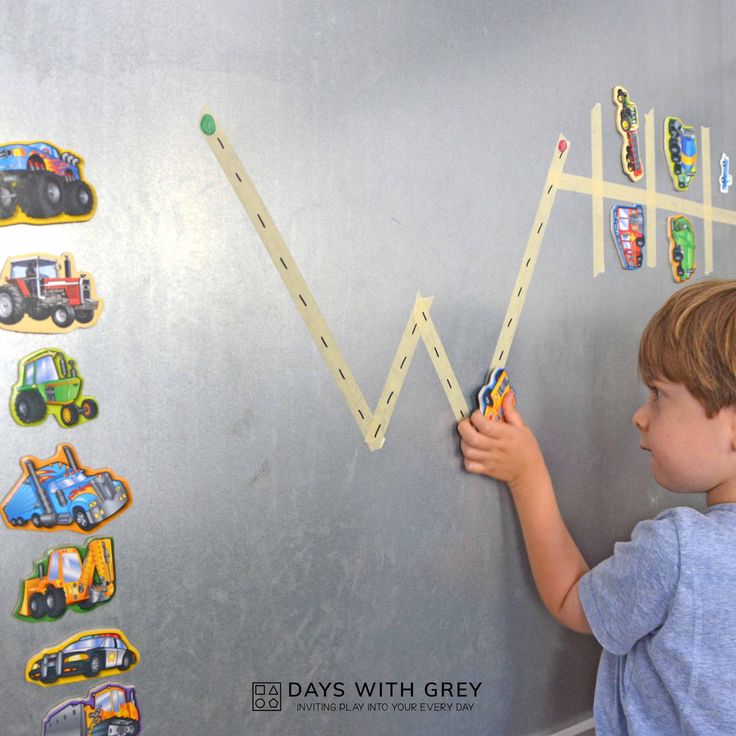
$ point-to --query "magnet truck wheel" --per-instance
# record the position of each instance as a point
(42, 196)
(30, 407)
(84, 316)
(11, 304)
(7, 202)
(78, 198)
(55, 602)
(37, 606)
(81, 519)
(62, 315)
(89, 409)
(69, 415)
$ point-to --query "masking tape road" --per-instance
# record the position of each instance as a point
(372, 425)
(420, 325)
(596, 159)
(651, 198)
(707, 200)
(529, 261)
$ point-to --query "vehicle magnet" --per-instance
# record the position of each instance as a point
(46, 294)
(680, 152)
(682, 247)
(59, 492)
(725, 180)
(108, 709)
(491, 396)
(89, 653)
(627, 229)
(40, 184)
(68, 577)
(49, 383)
(627, 124)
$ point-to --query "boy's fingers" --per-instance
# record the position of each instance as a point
(473, 451)
(473, 466)
(510, 413)
(486, 427)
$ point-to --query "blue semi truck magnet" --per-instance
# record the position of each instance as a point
(60, 492)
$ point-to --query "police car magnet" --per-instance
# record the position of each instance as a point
(46, 294)
(59, 492)
(90, 653)
(725, 179)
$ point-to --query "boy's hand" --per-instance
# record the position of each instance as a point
(506, 450)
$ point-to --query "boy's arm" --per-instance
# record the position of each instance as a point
(509, 452)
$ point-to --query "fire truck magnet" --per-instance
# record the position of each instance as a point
(59, 492)
(108, 708)
(68, 577)
(627, 229)
(41, 184)
(627, 124)
(49, 383)
(90, 653)
(46, 294)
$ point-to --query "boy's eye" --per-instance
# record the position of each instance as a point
(654, 391)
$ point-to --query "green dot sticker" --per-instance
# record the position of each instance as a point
(207, 124)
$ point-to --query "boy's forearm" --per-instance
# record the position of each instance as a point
(555, 559)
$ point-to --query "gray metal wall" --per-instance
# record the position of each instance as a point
(400, 147)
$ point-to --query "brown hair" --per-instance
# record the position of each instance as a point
(692, 340)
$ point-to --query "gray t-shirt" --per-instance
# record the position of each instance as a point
(663, 608)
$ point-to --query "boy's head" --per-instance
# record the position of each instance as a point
(692, 340)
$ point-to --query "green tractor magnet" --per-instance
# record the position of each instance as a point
(48, 383)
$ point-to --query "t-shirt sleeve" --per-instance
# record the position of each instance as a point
(628, 595)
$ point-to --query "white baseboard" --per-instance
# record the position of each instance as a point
(577, 729)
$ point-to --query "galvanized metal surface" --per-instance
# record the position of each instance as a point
(400, 147)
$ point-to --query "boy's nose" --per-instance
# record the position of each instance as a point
(639, 419)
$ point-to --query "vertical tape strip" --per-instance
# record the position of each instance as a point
(596, 157)
(651, 182)
(707, 200)
(529, 261)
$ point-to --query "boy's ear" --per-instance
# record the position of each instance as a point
(732, 412)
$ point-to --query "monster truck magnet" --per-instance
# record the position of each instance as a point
(46, 294)
(49, 383)
(68, 577)
(59, 492)
(39, 184)
(91, 653)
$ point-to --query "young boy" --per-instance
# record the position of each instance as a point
(663, 607)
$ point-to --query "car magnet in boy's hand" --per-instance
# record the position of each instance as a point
(491, 396)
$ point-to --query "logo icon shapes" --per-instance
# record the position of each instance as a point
(266, 696)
